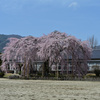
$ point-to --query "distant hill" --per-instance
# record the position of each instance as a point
(3, 40)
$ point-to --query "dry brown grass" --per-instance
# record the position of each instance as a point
(48, 90)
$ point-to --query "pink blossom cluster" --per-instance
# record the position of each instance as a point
(56, 47)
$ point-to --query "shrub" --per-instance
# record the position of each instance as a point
(97, 72)
(96, 69)
(2, 73)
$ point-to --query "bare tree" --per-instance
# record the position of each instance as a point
(93, 42)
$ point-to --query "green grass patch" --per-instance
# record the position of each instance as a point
(90, 75)
(9, 74)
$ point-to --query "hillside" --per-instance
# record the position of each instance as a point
(3, 40)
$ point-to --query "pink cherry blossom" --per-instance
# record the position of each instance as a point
(56, 48)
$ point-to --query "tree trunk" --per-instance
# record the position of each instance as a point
(57, 72)
(24, 70)
(28, 70)
(72, 64)
(67, 65)
(43, 70)
(36, 68)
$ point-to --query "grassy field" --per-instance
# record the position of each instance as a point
(48, 90)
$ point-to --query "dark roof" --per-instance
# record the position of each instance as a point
(95, 54)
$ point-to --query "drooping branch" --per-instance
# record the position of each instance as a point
(56, 48)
